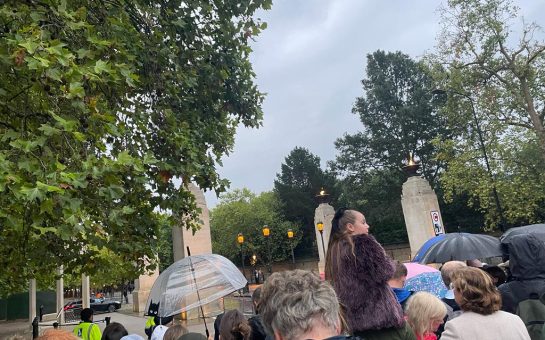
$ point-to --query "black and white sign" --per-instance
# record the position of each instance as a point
(436, 221)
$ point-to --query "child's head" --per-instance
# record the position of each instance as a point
(425, 313)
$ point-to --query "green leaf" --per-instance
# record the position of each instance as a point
(76, 90)
(32, 194)
(30, 46)
(48, 188)
(49, 130)
(102, 66)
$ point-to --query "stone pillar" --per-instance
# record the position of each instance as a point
(420, 208)
(60, 294)
(85, 291)
(324, 213)
(142, 288)
(32, 299)
(201, 241)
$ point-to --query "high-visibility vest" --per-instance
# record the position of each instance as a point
(87, 331)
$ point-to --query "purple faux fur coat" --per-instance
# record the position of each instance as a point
(362, 288)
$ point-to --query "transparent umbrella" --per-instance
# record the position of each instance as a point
(193, 282)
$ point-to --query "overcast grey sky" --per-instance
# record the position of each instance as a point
(310, 61)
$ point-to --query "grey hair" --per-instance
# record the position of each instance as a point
(294, 302)
(448, 268)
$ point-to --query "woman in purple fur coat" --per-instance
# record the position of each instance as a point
(358, 268)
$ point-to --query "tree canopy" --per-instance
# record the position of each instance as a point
(297, 185)
(241, 211)
(491, 71)
(102, 105)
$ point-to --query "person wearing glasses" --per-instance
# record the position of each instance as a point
(359, 269)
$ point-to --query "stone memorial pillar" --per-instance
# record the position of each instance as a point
(323, 214)
(60, 294)
(420, 208)
(142, 289)
(32, 300)
(201, 241)
(85, 291)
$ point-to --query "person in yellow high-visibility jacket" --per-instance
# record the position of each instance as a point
(150, 325)
(86, 329)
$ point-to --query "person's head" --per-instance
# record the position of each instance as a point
(345, 224)
(298, 305)
(55, 334)
(86, 315)
(497, 274)
(474, 263)
(114, 331)
(450, 267)
(425, 313)
(256, 298)
(234, 326)
(399, 277)
(192, 336)
(475, 292)
(174, 332)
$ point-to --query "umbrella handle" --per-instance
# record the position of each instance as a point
(198, 295)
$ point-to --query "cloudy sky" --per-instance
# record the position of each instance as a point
(310, 61)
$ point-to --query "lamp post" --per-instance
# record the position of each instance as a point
(267, 233)
(290, 238)
(320, 227)
(483, 150)
(240, 241)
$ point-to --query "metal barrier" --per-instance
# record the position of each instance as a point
(242, 303)
(36, 325)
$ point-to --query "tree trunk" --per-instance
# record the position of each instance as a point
(539, 129)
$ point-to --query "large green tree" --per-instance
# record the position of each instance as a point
(399, 115)
(102, 105)
(241, 211)
(300, 180)
(492, 72)
(502, 57)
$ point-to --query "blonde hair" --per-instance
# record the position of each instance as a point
(421, 309)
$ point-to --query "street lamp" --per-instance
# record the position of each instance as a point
(320, 227)
(267, 233)
(483, 149)
(240, 240)
(290, 237)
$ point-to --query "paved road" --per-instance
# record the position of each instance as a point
(132, 322)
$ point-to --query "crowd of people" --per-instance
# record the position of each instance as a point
(363, 297)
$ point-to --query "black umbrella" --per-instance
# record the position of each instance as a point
(537, 229)
(462, 246)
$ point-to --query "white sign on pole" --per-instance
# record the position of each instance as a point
(436, 221)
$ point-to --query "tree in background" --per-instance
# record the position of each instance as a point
(241, 211)
(492, 83)
(503, 71)
(399, 116)
(299, 181)
(102, 105)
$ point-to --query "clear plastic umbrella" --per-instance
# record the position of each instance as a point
(194, 281)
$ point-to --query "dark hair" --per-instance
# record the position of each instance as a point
(256, 298)
(477, 291)
(339, 233)
(234, 326)
(86, 314)
(400, 270)
(496, 273)
(114, 331)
